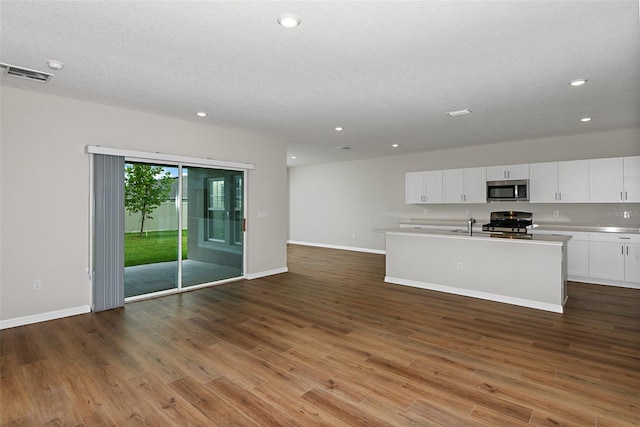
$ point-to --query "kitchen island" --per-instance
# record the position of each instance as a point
(529, 272)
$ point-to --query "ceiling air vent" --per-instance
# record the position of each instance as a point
(25, 73)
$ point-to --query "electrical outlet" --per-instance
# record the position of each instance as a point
(467, 212)
(459, 266)
(37, 284)
(424, 212)
(353, 235)
(556, 214)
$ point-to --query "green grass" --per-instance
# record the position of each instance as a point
(152, 247)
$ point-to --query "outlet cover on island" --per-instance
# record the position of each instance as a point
(556, 214)
(37, 284)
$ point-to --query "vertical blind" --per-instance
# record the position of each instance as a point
(108, 277)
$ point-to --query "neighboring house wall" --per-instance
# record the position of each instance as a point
(44, 178)
(340, 204)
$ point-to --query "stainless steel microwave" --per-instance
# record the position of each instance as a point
(508, 191)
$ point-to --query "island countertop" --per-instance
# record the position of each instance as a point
(529, 272)
(550, 226)
(529, 238)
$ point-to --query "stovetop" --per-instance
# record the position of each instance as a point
(509, 222)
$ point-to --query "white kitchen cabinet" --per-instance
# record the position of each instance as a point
(500, 173)
(414, 187)
(465, 185)
(614, 180)
(543, 182)
(615, 257)
(632, 179)
(423, 187)
(632, 264)
(577, 252)
(559, 182)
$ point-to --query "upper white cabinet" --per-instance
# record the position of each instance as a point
(615, 179)
(632, 179)
(499, 173)
(465, 185)
(423, 187)
(559, 182)
(608, 180)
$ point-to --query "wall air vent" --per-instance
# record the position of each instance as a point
(25, 73)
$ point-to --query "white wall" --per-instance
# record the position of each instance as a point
(45, 191)
(331, 202)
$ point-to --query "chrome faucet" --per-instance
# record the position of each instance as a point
(470, 223)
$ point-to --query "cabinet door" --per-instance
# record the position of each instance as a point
(475, 185)
(632, 263)
(518, 171)
(433, 186)
(452, 185)
(632, 179)
(606, 260)
(578, 258)
(414, 187)
(543, 182)
(496, 173)
(605, 180)
(573, 181)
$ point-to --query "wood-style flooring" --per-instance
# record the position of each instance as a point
(329, 343)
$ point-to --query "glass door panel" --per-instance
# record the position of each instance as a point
(214, 212)
(151, 229)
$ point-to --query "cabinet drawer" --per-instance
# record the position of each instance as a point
(614, 237)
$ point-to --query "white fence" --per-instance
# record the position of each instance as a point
(165, 217)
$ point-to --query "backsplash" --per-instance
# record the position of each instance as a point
(613, 214)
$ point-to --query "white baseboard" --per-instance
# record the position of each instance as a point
(592, 281)
(343, 248)
(556, 308)
(43, 317)
(266, 273)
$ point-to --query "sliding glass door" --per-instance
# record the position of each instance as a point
(215, 225)
(184, 227)
(151, 240)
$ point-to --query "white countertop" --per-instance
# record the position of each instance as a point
(532, 238)
(594, 228)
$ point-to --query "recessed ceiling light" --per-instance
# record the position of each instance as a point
(578, 82)
(459, 112)
(294, 157)
(395, 145)
(55, 65)
(201, 114)
(289, 20)
(339, 129)
(585, 119)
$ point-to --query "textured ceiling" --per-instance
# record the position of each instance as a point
(385, 71)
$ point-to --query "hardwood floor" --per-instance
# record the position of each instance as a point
(329, 343)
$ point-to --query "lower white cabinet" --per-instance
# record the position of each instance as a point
(602, 258)
(578, 255)
(615, 257)
(577, 252)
